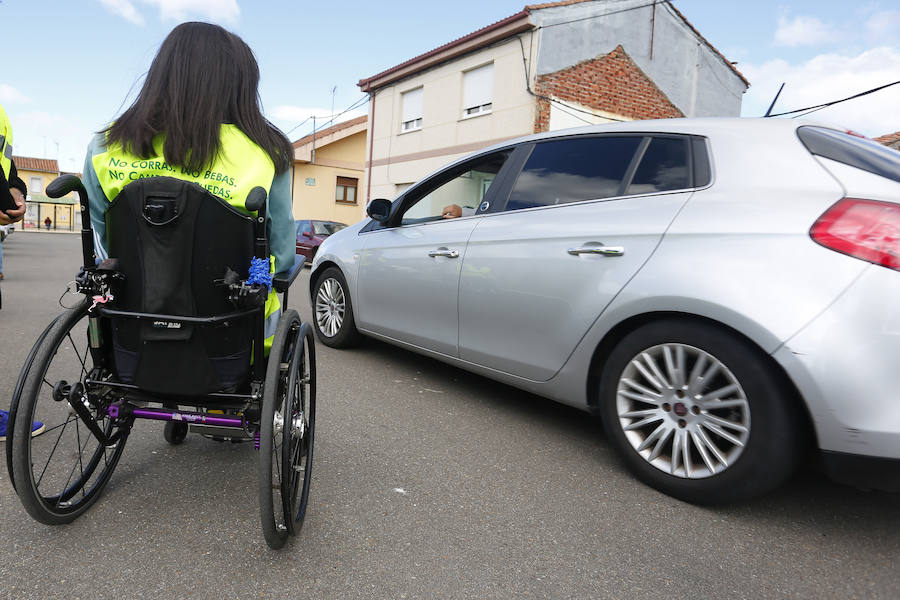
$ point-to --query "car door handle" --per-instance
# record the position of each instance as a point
(444, 252)
(603, 250)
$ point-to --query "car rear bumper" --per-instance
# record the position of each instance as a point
(863, 471)
(845, 365)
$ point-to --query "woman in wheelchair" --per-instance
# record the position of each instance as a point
(188, 240)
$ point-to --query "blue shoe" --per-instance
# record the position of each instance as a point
(37, 427)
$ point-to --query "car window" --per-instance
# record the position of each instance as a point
(574, 169)
(457, 194)
(303, 227)
(663, 167)
(326, 227)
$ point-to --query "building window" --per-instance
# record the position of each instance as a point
(345, 191)
(478, 91)
(411, 117)
(36, 185)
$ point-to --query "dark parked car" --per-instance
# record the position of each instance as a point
(311, 233)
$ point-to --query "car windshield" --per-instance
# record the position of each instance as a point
(326, 227)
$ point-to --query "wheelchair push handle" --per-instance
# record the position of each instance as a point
(256, 202)
(256, 199)
(63, 185)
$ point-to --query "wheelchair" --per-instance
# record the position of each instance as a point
(171, 328)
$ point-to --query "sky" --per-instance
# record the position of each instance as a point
(70, 66)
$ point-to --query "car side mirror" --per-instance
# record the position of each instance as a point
(379, 210)
(306, 234)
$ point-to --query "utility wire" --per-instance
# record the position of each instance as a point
(833, 102)
(582, 119)
(356, 104)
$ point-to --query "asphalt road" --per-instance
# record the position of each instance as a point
(429, 482)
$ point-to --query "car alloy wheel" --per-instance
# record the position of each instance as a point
(330, 307)
(676, 396)
(333, 310)
(683, 411)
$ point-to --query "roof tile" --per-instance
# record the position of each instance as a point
(26, 163)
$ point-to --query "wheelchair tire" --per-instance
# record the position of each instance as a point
(175, 432)
(60, 473)
(278, 401)
(298, 440)
(17, 393)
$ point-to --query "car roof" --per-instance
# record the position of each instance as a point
(696, 126)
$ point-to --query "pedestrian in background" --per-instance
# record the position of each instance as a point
(12, 193)
(12, 188)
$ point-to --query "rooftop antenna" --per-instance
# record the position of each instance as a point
(774, 100)
(333, 90)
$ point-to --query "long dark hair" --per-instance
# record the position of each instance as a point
(202, 76)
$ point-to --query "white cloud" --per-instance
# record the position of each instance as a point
(883, 25)
(225, 11)
(124, 9)
(222, 11)
(828, 77)
(802, 31)
(11, 95)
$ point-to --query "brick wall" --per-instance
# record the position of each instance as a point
(611, 83)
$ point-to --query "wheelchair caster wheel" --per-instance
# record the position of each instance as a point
(175, 432)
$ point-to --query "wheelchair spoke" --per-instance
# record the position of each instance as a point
(78, 354)
(66, 465)
(59, 498)
(53, 450)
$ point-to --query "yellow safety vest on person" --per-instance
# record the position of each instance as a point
(6, 148)
(239, 167)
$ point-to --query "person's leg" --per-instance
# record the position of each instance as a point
(36, 427)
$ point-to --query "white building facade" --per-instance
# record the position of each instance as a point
(547, 67)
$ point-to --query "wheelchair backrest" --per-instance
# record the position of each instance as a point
(175, 241)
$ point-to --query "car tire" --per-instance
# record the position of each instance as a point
(700, 413)
(333, 310)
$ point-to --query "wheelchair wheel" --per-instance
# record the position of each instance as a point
(286, 431)
(17, 393)
(60, 473)
(175, 432)
(297, 442)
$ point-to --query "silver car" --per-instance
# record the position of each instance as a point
(724, 293)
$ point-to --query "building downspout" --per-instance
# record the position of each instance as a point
(695, 83)
(371, 133)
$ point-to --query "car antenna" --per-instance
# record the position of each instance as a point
(774, 100)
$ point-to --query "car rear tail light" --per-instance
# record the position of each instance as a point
(866, 229)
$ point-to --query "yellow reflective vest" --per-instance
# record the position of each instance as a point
(5, 143)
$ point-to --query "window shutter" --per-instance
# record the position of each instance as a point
(478, 86)
(412, 105)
